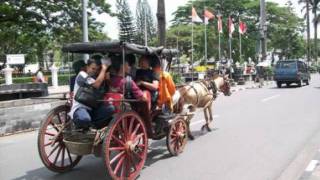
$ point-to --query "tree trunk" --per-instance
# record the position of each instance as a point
(161, 16)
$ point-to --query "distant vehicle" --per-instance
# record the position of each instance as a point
(291, 71)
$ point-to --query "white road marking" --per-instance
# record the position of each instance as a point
(202, 121)
(270, 98)
(312, 165)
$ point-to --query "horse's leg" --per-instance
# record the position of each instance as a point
(205, 111)
(210, 111)
(188, 120)
(207, 108)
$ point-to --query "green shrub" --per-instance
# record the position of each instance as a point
(177, 78)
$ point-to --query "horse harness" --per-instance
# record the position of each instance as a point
(212, 86)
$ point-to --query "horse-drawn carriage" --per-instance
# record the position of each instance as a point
(123, 142)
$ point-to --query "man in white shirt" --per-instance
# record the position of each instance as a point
(81, 114)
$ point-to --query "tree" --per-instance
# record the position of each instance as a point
(144, 14)
(32, 27)
(127, 28)
(161, 16)
(315, 5)
(307, 17)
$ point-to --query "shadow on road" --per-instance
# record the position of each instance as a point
(91, 167)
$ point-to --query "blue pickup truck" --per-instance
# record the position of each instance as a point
(291, 71)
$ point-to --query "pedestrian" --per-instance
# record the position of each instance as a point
(39, 76)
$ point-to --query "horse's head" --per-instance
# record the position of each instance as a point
(223, 84)
(226, 87)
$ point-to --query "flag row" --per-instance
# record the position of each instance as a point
(209, 16)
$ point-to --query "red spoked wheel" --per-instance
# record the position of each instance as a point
(125, 146)
(52, 150)
(177, 136)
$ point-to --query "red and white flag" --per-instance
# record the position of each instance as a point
(207, 16)
(242, 27)
(230, 26)
(219, 24)
(195, 17)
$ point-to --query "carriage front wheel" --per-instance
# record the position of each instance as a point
(52, 150)
(125, 146)
(177, 136)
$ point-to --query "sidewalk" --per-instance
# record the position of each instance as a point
(250, 85)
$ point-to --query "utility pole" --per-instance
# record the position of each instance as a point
(308, 30)
(145, 26)
(85, 25)
(263, 30)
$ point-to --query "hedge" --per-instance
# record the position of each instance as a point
(62, 80)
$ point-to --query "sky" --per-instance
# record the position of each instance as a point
(111, 23)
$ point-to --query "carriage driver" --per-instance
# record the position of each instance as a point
(82, 115)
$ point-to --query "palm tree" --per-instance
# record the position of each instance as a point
(307, 16)
(161, 16)
(314, 5)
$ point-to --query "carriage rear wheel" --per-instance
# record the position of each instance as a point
(177, 136)
(125, 146)
(52, 150)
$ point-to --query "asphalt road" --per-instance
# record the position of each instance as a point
(260, 134)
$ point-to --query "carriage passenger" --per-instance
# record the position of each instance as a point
(148, 79)
(167, 94)
(131, 59)
(77, 66)
(82, 115)
(120, 80)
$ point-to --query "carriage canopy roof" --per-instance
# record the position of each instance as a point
(116, 47)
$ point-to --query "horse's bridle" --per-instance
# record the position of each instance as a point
(212, 86)
(224, 88)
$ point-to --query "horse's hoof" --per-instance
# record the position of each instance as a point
(202, 128)
(191, 137)
(208, 128)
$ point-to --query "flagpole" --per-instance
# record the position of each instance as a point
(240, 45)
(192, 46)
(230, 46)
(219, 46)
(219, 34)
(205, 42)
(231, 29)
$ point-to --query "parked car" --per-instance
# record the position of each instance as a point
(291, 71)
